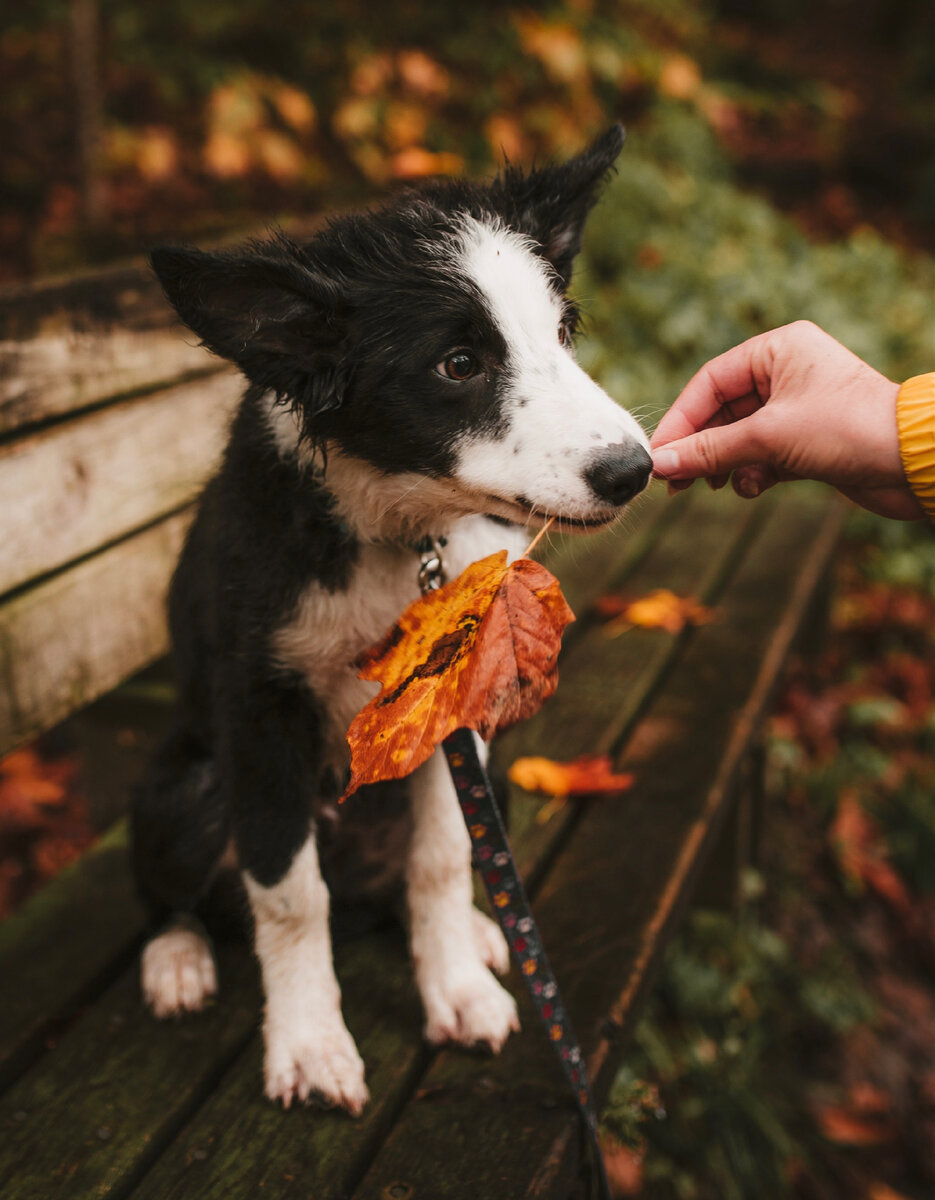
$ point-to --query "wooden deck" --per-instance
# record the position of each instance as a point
(100, 1100)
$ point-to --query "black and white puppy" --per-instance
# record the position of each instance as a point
(410, 375)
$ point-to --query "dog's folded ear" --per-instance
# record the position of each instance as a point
(264, 307)
(551, 203)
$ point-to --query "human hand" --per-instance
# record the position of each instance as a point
(789, 404)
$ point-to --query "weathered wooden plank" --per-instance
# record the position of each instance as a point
(241, 1146)
(59, 947)
(83, 484)
(605, 945)
(73, 342)
(687, 555)
(88, 1119)
(69, 344)
(75, 636)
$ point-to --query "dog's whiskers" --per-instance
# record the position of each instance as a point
(399, 499)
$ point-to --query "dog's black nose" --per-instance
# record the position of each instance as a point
(618, 473)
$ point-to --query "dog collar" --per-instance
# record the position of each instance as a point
(432, 572)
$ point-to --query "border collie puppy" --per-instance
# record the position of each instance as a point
(411, 386)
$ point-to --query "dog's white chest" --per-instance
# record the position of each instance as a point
(329, 630)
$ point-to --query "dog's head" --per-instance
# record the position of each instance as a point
(432, 340)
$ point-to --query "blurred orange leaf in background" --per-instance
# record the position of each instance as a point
(28, 788)
(861, 852)
(422, 74)
(415, 162)
(883, 1191)
(44, 823)
(588, 775)
(624, 1167)
(556, 44)
(659, 609)
(864, 1119)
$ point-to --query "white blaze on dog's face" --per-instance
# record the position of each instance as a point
(563, 446)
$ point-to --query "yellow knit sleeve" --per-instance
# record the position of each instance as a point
(915, 417)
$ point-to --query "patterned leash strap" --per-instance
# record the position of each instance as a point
(494, 859)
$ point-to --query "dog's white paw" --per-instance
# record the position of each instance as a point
(177, 972)
(318, 1064)
(470, 1008)
(490, 942)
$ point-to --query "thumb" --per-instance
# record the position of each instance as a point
(713, 451)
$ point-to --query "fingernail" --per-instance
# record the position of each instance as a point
(748, 488)
(665, 462)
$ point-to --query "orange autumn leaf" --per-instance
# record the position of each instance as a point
(624, 1167)
(680, 77)
(29, 787)
(849, 1128)
(883, 1191)
(422, 74)
(588, 775)
(479, 653)
(862, 855)
(415, 162)
(660, 609)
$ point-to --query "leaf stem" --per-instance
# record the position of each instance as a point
(538, 538)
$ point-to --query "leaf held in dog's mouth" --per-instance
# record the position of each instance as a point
(480, 653)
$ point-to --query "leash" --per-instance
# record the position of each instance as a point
(494, 859)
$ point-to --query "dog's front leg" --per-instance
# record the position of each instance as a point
(451, 942)
(271, 769)
(309, 1051)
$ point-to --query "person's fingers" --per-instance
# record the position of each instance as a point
(736, 375)
(711, 452)
(750, 482)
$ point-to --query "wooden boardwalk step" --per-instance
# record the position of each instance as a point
(62, 947)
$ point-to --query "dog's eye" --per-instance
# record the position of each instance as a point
(459, 366)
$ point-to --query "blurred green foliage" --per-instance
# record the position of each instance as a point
(722, 1038)
(681, 264)
(219, 115)
(789, 1047)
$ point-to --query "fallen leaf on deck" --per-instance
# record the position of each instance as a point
(480, 653)
(624, 1167)
(849, 1128)
(591, 774)
(660, 609)
(29, 787)
(883, 1191)
(587, 775)
(44, 823)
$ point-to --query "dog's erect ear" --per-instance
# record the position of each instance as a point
(551, 204)
(265, 308)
